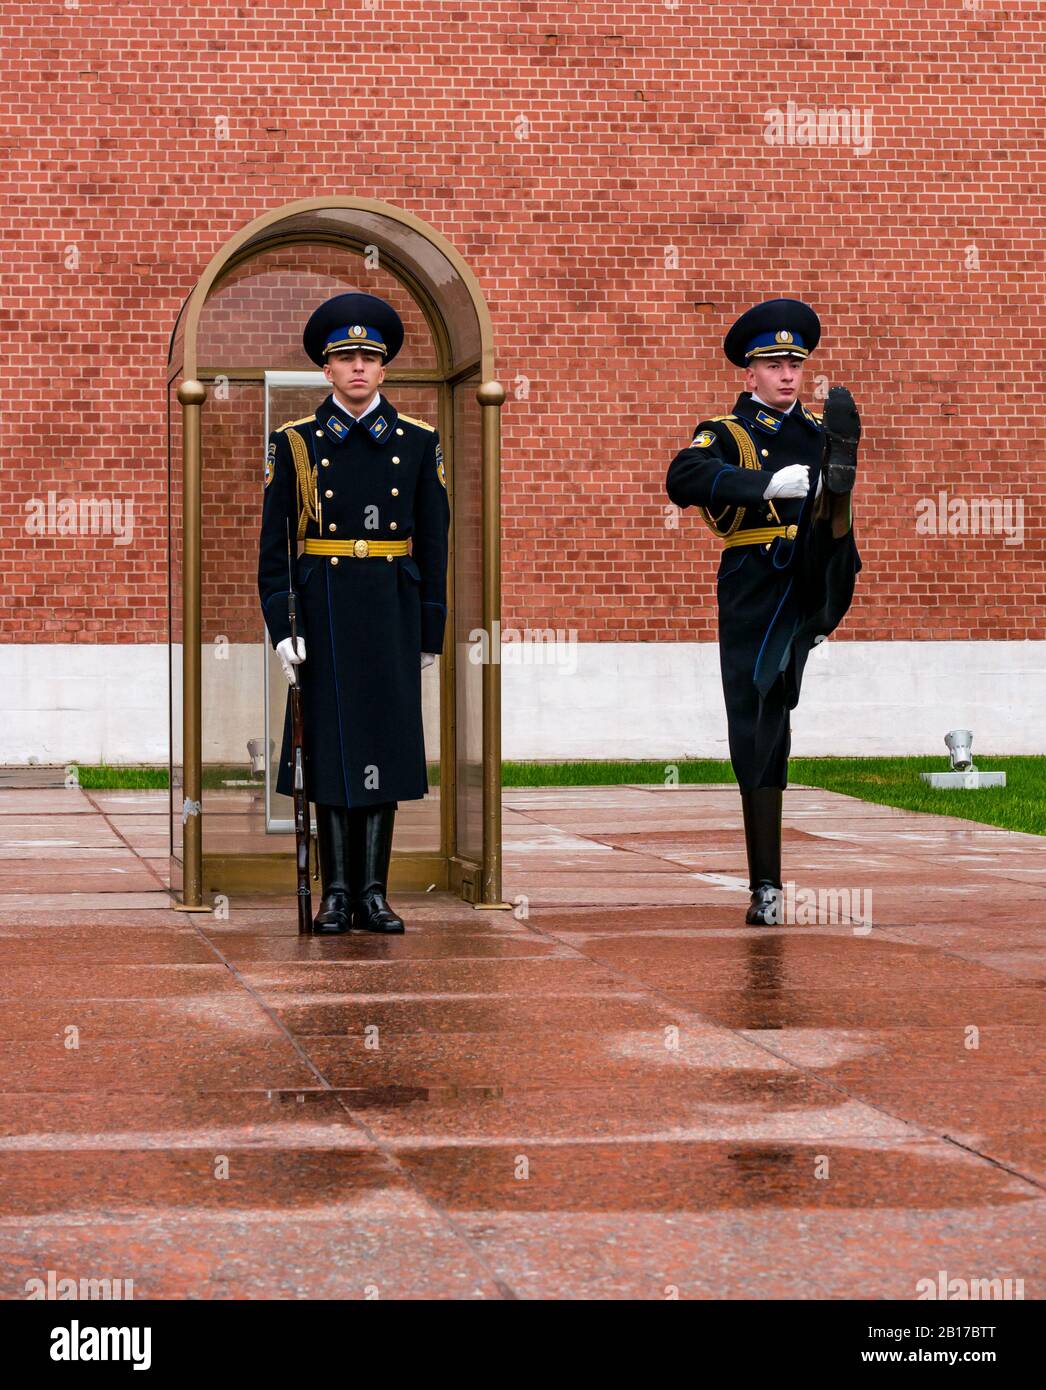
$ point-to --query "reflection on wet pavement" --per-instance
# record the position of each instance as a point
(615, 1089)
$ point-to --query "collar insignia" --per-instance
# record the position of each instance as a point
(768, 422)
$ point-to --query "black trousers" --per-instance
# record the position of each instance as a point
(772, 604)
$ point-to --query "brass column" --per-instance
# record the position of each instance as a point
(491, 395)
(192, 395)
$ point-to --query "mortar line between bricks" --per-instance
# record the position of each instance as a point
(389, 1154)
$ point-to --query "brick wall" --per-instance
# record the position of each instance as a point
(610, 173)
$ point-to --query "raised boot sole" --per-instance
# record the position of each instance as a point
(842, 427)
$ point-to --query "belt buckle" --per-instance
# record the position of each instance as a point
(361, 550)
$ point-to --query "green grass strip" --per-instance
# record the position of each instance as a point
(1020, 805)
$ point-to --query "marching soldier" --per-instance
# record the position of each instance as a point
(362, 487)
(773, 481)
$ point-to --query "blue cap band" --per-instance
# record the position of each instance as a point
(354, 335)
(783, 343)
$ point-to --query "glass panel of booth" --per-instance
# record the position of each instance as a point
(174, 630)
(249, 354)
(232, 705)
(472, 647)
(378, 237)
(258, 309)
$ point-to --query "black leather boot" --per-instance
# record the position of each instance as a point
(762, 814)
(373, 912)
(332, 835)
(842, 431)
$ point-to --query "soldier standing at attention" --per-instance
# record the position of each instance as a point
(773, 481)
(363, 488)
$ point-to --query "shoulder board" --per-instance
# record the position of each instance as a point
(303, 421)
(420, 423)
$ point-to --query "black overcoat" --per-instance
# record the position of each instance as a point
(366, 620)
(774, 600)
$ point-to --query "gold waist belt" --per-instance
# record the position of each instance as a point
(357, 550)
(758, 535)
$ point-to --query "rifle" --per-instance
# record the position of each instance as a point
(302, 816)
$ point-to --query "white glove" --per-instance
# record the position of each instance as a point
(427, 658)
(289, 658)
(793, 481)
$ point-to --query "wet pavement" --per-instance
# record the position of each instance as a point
(614, 1090)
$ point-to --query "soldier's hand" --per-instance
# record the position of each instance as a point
(793, 481)
(289, 658)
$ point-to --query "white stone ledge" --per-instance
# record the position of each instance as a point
(86, 703)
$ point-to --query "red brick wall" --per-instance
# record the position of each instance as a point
(646, 132)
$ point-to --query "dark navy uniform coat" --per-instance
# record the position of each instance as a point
(773, 600)
(365, 621)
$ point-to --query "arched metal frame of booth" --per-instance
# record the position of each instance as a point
(448, 295)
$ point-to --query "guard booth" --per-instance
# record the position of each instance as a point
(237, 370)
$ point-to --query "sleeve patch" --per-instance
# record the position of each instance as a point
(703, 440)
(270, 463)
(440, 471)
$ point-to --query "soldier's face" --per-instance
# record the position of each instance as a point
(355, 375)
(776, 380)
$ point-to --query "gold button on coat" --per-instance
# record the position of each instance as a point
(328, 493)
(392, 526)
(334, 559)
(333, 526)
(395, 492)
(395, 458)
(765, 453)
